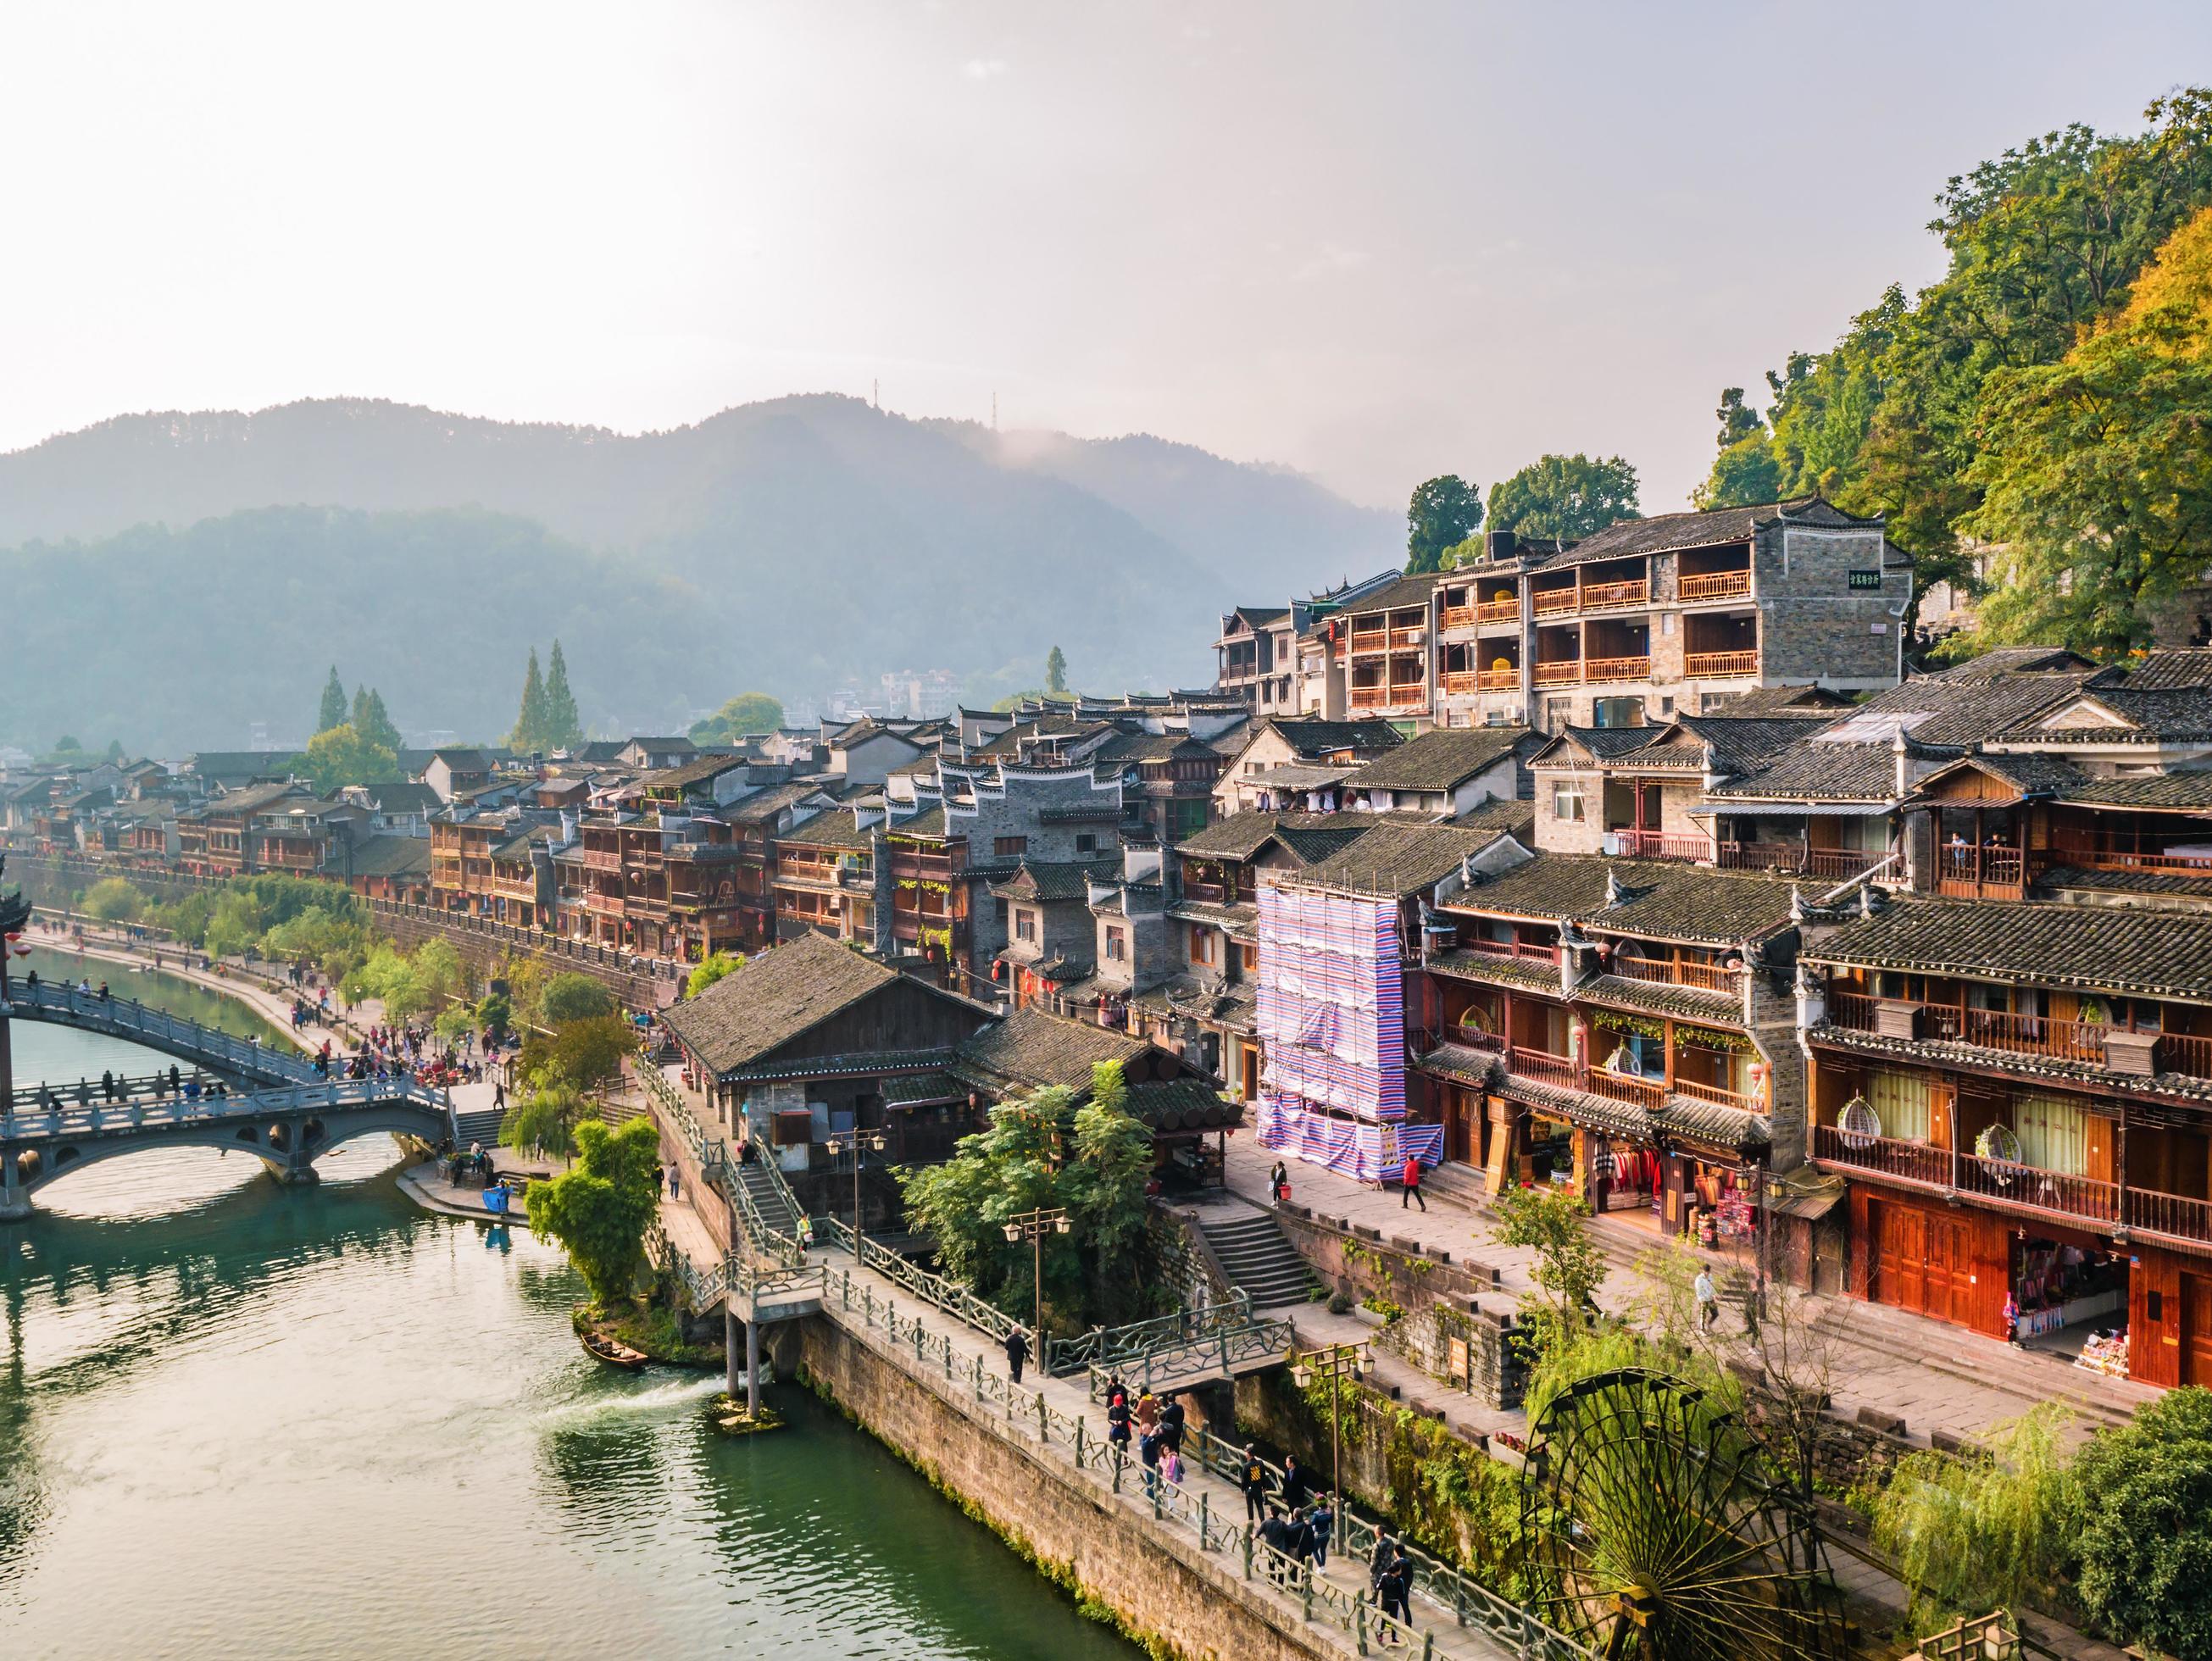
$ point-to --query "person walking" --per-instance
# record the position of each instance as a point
(1322, 1520)
(1171, 1462)
(1412, 1184)
(1297, 1484)
(1709, 1300)
(1117, 1421)
(1386, 1551)
(1278, 1181)
(1148, 1413)
(1397, 1591)
(1171, 1418)
(1148, 1455)
(1017, 1351)
(675, 1182)
(1252, 1477)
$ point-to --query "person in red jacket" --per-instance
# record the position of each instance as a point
(1412, 1184)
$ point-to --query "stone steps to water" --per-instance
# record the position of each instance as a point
(1259, 1260)
(480, 1127)
(768, 1199)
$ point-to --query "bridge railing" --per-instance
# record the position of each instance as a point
(1105, 1346)
(950, 1296)
(782, 1251)
(126, 1018)
(1222, 1349)
(702, 1286)
(101, 1118)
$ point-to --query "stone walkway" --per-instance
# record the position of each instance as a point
(1935, 1377)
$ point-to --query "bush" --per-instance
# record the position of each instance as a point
(599, 1211)
(2141, 1527)
(573, 998)
(711, 970)
(493, 1010)
(113, 900)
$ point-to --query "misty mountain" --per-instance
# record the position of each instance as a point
(791, 545)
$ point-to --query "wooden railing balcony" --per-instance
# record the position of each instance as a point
(1617, 669)
(1683, 846)
(605, 905)
(1973, 864)
(1487, 947)
(2054, 1193)
(1506, 610)
(1710, 977)
(1713, 1092)
(598, 859)
(1462, 683)
(1542, 1064)
(1715, 585)
(1370, 639)
(2068, 852)
(1719, 665)
(1560, 671)
(1459, 617)
(1398, 696)
(1207, 893)
(1603, 596)
(1498, 680)
(2188, 1054)
(1834, 864)
(1623, 1087)
(1549, 602)
(1403, 638)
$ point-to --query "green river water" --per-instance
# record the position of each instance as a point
(242, 1419)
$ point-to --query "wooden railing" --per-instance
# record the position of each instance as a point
(1368, 639)
(1407, 637)
(1978, 863)
(1459, 617)
(1489, 948)
(1498, 680)
(1562, 672)
(1370, 697)
(1207, 893)
(1710, 977)
(1713, 1092)
(1498, 611)
(1459, 683)
(1547, 602)
(1600, 595)
(1542, 1064)
(1713, 666)
(1664, 845)
(1832, 864)
(2188, 1054)
(2097, 859)
(1617, 669)
(1714, 585)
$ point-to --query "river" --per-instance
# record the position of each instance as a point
(238, 1419)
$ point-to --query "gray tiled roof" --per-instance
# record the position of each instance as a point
(1395, 858)
(1661, 900)
(1439, 759)
(1310, 735)
(2186, 792)
(1693, 1003)
(2108, 949)
(1625, 539)
(1241, 835)
(774, 997)
(1035, 1049)
(1048, 881)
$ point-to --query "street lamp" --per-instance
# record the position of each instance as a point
(859, 1141)
(1033, 1226)
(1333, 1364)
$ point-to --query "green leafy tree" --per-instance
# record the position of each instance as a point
(496, 1011)
(1568, 1268)
(113, 900)
(710, 969)
(333, 712)
(1560, 495)
(599, 1211)
(1990, 1528)
(564, 730)
(529, 732)
(340, 755)
(2097, 470)
(584, 1053)
(1738, 420)
(1444, 512)
(377, 725)
(2141, 1525)
(1055, 671)
(439, 970)
(747, 712)
(1744, 474)
(67, 745)
(544, 1118)
(573, 998)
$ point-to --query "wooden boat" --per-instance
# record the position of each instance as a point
(604, 1349)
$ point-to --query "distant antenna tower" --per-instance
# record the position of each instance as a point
(994, 412)
(875, 394)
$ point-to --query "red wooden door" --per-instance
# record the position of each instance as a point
(1900, 1275)
(2196, 1329)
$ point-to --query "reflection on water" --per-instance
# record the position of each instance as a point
(241, 1419)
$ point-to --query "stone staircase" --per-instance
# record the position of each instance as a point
(771, 1199)
(481, 1127)
(1258, 1260)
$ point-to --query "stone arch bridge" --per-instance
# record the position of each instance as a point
(267, 1102)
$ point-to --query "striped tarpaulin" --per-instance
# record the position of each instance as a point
(1330, 1002)
(1369, 1153)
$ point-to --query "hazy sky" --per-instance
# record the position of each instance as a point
(1375, 241)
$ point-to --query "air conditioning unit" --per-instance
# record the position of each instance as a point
(1610, 843)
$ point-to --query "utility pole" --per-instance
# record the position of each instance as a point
(1033, 1226)
(1333, 1364)
(859, 1141)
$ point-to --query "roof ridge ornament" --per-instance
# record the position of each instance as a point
(1797, 910)
(1614, 893)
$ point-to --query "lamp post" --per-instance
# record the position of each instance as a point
(1033, 1226)
(1333, 1364)
(859, 1142)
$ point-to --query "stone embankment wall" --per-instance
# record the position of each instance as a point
(1183, 1602)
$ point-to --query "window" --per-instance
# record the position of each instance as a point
(1201, 944)
(1117, 945)
(1025, 926)
(2054, 1134)
(1901, 1100)
(1248, 958)
(1086, 843)
(1567, 801)
(1009, 848)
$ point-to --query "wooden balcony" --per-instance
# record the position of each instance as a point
(1964, 869)
(1498, 680)
(1462, 683)
(1485, 946)
(1833, 864)
(2040, 1035)
(1560, 671)
(1684, 847)
(1617, 669)
(1550, 602)
(1709, 977)
(1404, 695)
(1498, 611)
(598, 859)
(1715, 585)
(1459, 617)
(1606, 596)
(1370, 640)
(1720, 666)
(1405, 639)
(2007, 1187)
(2066, 852)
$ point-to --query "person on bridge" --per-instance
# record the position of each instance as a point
(1171, 1424)
(1017, 1351)
(107, 1086)
(176, 1079)
(1252, 1477)
(1297, 1484)
(1412, 1184)
(1148, 1413)
(1322, 1519)
(1396, 1590)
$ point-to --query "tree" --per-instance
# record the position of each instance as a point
(495, 1012)
(333, 712)
(1744, 474)
(1568, 1269)
(599, 1211)
(1055, 671)
(454, 1024)
(710, 969)
(1739, 421)
(1559, 495)
(582, 1053)
(747, 712)
(573, 998)
(1445, 511)
(376, 725)
(545, 1117)
(113, 900)
(530, 723)
(1990, 1527)
(439, 970)
(340, 755)
(563, 731)
(2141, 1526)
(2097, 470)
